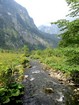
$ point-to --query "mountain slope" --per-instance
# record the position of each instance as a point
(18, 29)
(53, 29)
(53, 32)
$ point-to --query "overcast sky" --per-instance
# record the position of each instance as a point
(45, 11)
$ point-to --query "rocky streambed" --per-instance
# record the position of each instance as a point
(42, 89)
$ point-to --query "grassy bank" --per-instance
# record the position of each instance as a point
(11, 74)
(63, 59)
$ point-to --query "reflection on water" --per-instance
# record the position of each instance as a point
(36, 71)
(61, 97)
(31, 79)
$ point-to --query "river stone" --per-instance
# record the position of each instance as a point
(48, 90)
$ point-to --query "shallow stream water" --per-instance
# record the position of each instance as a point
(41, 89)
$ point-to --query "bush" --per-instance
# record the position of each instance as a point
(11, 75)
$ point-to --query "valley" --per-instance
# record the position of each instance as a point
(38, 65)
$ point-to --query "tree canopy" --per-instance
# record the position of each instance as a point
(70, 35)
(74, 7)
(70, 30)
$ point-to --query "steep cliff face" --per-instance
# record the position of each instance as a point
(18, 29)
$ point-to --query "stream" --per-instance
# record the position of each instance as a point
(41, 89)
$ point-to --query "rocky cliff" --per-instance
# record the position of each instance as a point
(18, 29)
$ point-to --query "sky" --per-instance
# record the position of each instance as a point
(45, 11)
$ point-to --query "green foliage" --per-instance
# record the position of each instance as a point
(70, 33)
(24, 61)
(74, 7)
(26, 50)
(64, 59)
(8, 93)
(11, 76)
(75, 76)
(72, 1)
(61, 23)
(69, 43)
(72, 55)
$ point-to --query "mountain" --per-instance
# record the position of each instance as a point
(52, 29)
(53, 32)
(18, 29)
